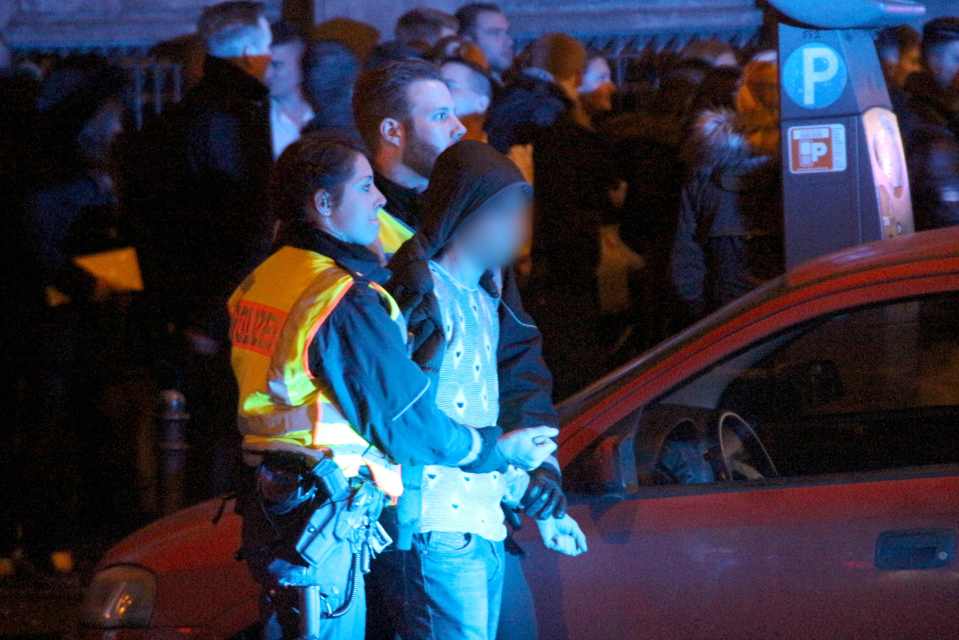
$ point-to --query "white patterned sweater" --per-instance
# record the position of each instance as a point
(468, 392)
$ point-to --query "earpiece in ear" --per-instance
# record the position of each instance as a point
(326, 207)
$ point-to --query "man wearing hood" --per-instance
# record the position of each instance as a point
(406, 116)
(447, 281)
(930, 127)
(729, 238)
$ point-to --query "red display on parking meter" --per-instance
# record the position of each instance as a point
(817, 148)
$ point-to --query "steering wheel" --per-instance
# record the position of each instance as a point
(742, 455)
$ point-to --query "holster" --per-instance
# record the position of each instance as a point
(319, 534)
(347, 521)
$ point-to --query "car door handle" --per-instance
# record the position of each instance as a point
(915, 549)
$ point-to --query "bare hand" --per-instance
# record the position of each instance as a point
(562, 535)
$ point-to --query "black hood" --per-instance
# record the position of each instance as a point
(466, 177)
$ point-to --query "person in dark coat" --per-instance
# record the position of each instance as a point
(540, 95)
(393, 108)
(648, 146)
(930, 127)
(475, 193)
(69, 318)
(199, 194)
(575, 174)
(330, 70)
(729, 238)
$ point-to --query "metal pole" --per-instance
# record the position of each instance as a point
(172, 419)
(311, 604)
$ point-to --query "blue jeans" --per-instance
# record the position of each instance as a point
(448, 586)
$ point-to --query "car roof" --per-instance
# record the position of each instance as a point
(870, 260)
(910, 248)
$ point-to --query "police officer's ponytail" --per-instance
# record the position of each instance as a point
(318, 160)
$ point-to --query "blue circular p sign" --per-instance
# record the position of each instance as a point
(814, 76)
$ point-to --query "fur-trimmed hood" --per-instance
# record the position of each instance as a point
(717, 141)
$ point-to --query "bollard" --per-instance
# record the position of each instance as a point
(172, 419)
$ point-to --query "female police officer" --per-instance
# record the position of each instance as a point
(319, 352)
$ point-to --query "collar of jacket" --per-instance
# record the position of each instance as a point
(226, 76)
(357, 259)
(405, 204)
(535, 82)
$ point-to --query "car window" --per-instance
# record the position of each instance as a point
(869, 389)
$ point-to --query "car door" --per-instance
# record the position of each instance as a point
(857, 537)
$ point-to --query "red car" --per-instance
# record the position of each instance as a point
(786, 468)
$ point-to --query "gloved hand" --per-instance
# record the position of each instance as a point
(528, 448)
(562, 535)
(544, 497)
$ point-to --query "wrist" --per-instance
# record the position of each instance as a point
(550, 469)
(476, 447)
(490, 457)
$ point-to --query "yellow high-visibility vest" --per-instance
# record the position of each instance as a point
(275, 315)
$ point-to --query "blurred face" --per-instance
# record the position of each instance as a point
(466, 102)
(726, 60)
(944, 65)
(497, 234)
(355, 217)
(444, 32)
(909, 63)
(898, 66)
(285, 73)
(256, 57)
(432, 126)
(597, 88)
(491, 33)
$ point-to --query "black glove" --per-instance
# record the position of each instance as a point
(544, 496)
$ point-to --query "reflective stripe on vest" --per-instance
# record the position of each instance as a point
(275, 315)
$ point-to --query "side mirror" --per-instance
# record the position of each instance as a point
(607, 470)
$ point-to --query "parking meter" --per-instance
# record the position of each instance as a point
(844, 171)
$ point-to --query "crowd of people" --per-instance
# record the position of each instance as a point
(645, 219)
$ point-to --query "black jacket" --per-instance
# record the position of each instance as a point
(525, 382)
(67, 220)
(930, 131)
(200, 189)
(402, 203)
(575, 170)
(729, 237)
(523, 110)
(361, 357)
